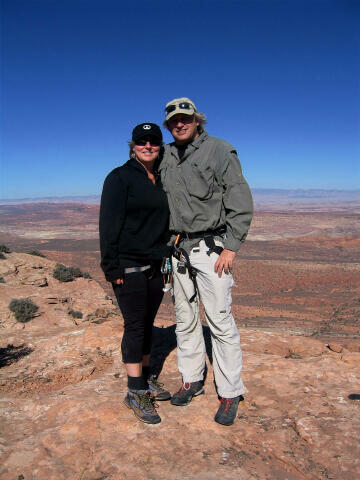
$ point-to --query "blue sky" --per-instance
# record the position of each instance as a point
(277, 79)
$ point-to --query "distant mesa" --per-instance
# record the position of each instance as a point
(261, 195)
(88, 199)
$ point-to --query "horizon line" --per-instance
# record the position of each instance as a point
(254, 190)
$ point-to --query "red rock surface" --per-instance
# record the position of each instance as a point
(298, 272)
(62, 386)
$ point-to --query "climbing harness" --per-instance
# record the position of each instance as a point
(183, 257)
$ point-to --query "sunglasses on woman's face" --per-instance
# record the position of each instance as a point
(183, 105)
(154, 142)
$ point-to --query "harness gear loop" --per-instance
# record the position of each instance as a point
(180, 253)
(191, 271)
(210, 243)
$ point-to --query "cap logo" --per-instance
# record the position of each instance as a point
(147, 127)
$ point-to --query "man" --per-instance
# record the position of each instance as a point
(211, 210)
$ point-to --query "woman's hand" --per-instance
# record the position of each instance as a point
(118, 281)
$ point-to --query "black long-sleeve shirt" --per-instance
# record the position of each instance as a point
(134, 219)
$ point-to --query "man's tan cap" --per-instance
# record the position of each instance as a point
(179, 105)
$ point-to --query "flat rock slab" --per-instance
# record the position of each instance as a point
(62, 388)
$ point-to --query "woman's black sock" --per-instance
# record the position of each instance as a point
(137, 383)
(146, 373)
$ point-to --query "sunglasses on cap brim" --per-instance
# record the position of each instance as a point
(183, 106)
(154, 141)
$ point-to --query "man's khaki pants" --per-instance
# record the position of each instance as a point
(215, 294)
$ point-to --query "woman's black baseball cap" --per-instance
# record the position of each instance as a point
(146, 130)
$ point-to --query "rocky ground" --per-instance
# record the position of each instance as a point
(62, 387)
(298, 272)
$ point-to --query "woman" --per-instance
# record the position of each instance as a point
(133, 224)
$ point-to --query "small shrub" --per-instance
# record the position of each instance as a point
(68, 274)
(63, 274)
(4, 249)
(2, 280)
(36, 253)
(79, 273)
(24, 309)
(76, 272)
(75, 313)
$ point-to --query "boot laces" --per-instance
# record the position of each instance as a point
(147, 401)
(155, 383)
(228, 402)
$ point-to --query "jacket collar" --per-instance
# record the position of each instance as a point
(135, 164)
(190, 147)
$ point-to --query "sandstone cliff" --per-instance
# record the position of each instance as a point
(62, 386)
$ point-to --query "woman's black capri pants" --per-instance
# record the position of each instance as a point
(139, 299)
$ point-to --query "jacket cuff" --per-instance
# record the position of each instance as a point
(231, 243)
(115, 274)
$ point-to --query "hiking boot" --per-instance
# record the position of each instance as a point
(143, 405)
(186, 393)
(227, 411)
(156, 390)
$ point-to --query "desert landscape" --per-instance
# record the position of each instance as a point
(297, 305)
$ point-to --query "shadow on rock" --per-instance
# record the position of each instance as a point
(11, 354)
(164, 342)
